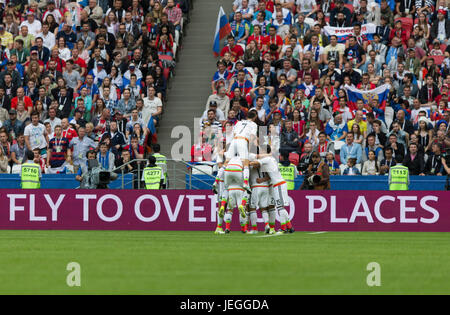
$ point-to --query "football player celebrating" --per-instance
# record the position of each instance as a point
(244, 133)
(278, 190)
(237, 195)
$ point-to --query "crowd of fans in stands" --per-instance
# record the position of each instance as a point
(279, 61)
(84, 75)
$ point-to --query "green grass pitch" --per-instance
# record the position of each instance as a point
(151, 262)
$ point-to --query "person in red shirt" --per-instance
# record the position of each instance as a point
(365, 83)
(400, 32)
(79, 63)
(67, 131)
(34, 57)
(136, 150)
(60, 64)
(274, 39)
(21, 97)
(236, 51)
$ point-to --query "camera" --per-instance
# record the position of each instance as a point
(302, 167)
(97, 177)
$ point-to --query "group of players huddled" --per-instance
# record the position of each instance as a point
(250, 181)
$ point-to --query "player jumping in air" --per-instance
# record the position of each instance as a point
(244, 133)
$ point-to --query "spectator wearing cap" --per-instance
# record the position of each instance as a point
(34, 26)
(440, 29)
(98, 73)
(220, 115)
(221, 99)
(13, 126)
(132, 69)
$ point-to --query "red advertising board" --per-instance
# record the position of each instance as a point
(195, 210)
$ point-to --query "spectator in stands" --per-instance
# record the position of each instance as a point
(350, 168)
(414, 160)
(351, 150)
(371, 166)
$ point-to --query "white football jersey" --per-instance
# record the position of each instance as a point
(270, 166)
(245, 128)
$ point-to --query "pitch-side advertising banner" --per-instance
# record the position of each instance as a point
(196, 210)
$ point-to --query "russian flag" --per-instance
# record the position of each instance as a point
(223, 28)
(380, 93)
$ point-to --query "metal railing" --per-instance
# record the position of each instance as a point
(176, 174)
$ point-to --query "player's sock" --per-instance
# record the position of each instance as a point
(284, 217)
(288, 224)
(227, 219)
(254, 220)
(272, 217)
(243, 222)
(223, 202)
(219, 177)
(246, 174)
(244, 201)
(219, 221)
(265, 216)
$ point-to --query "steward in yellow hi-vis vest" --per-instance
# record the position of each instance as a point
(30, 174)
(153, 175)
(161, 161)
(398, 177)
(288, 173)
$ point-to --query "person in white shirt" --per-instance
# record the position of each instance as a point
(53, 11)
(34, 26)
(35, 135)
(48, 37)
(152, 106)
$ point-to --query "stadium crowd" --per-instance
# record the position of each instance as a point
(280, 61)
(79, 76)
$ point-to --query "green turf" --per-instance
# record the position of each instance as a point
(202, 263)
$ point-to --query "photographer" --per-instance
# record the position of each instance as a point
(317, 175)
(305, 158)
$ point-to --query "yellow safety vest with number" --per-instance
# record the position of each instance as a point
(398, 178)
(288, 174)
(152, 177)
(161, 161)
(30, 176)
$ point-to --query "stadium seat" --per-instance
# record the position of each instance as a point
(16, 169)
(310, 21)
(438, 59)
(407, 23)
(350, 7)
(201, 169)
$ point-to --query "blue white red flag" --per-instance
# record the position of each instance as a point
(380, 93)
(223, 28)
